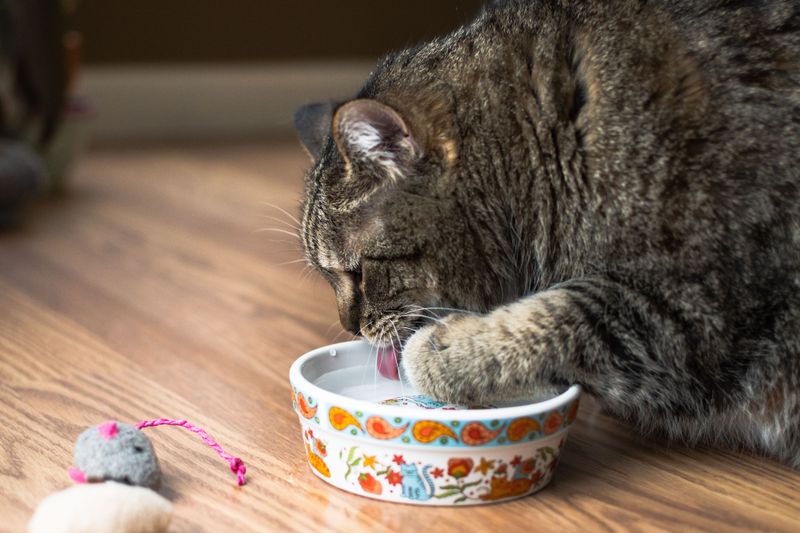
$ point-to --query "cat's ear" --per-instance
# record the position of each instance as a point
(367, 131)
(313, 125)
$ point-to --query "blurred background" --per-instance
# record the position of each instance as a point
(74, 72)
(150, 183)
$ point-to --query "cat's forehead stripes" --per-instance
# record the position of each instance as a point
(321, 225)
(311, 221)
(328, 260)
(315, 224)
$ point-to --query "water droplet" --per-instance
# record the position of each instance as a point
(333, 352)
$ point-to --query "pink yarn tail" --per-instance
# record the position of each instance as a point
(236, 464)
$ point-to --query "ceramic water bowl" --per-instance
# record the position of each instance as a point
(377, 437)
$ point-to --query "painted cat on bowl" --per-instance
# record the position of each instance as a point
(445, 480)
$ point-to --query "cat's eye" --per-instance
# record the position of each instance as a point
(356, 276)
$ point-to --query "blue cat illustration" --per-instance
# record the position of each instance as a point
(414, 486)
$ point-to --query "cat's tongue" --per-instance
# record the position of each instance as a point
(387, 362)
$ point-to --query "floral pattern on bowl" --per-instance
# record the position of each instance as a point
(439, 480)
(416, 451)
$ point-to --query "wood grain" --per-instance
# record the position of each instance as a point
(148, 292)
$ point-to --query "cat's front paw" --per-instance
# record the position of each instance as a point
(454, 360)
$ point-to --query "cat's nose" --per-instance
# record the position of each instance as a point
(349, 313)
(348, 301)
(349, 317)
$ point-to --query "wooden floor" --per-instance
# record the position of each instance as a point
(149, 292)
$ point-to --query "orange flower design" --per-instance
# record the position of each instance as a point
(459, 468)
(528, 466)
(394, 478)
(484, 466)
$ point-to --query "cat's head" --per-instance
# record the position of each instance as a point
(408, 469)
(384, 218)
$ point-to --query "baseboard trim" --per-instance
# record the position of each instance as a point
(206, 101)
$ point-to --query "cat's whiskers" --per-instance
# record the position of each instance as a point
(292, 227)
(327, 331)
(452, 309)
(289, 225)
(342, 331)
(375, 372)
(292, 262)
(427, 317)
(306, 274)
(371, 347)
(397, 334)
(437, 311)
(279, 230)
(432, 317)
(399, 346)
(296, 246)
(364, 327)
(284, 211)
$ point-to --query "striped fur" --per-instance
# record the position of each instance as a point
(606, 190)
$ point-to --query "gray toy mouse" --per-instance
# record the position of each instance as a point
(114, 451)
(116, 468)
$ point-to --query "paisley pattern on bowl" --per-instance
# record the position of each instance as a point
(411, 449)
(420, 431)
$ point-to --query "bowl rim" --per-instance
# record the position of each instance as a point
(298, 381)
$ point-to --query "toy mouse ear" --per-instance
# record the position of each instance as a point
(313, 125)
(108, 430)
(369, 132)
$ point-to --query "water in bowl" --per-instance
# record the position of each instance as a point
(363, 383)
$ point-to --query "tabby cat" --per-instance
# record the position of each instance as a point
(597, 192)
